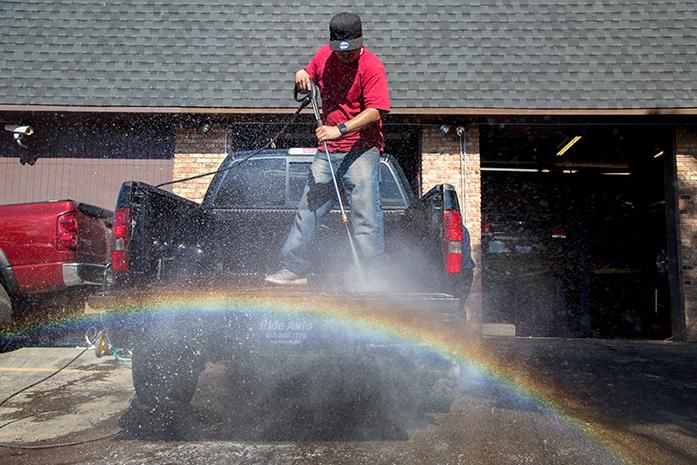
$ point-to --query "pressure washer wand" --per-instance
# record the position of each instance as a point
(313, 95)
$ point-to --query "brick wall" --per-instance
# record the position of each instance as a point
(687, 205)
(197, 153)
(440, 163)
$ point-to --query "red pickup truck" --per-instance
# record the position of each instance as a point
(50, 246)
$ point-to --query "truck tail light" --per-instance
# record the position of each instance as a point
(66, 231)
(452, 236)
(120, 233)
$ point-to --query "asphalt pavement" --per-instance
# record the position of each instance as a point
(572, 402)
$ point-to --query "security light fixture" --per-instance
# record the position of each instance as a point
(564, 149)
(19, 132)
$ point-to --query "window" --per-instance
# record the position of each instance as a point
(297, 178)
(261, 183)
(390, 194)
(257, 183)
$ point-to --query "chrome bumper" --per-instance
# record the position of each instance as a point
(81, 274)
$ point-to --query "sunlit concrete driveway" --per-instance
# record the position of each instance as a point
(571, 402)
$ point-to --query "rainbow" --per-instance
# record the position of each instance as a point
(405, 327)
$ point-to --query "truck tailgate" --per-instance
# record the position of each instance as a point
(94, 240)
(282, 317)
(443, 306)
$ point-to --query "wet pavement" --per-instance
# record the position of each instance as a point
(538, 401)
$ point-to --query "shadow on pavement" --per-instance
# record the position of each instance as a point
(319, 403)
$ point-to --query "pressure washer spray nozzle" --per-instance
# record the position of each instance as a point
(344, 218)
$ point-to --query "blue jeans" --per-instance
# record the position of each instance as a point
(360, 172)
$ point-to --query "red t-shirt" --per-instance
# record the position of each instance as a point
(347, 90)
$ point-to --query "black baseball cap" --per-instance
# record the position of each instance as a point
(345, 32)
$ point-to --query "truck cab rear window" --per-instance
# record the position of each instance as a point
(390, 195)
(297, 178)
(257, 183)
(262, 183)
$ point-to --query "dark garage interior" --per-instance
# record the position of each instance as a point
(574, 229)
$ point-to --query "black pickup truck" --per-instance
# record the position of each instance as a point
(165, 244)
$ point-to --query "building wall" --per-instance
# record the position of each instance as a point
(85, 157)
(440, 163)
(686, 150)
(196, 153)
(96, 181)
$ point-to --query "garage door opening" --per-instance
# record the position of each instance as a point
(574, 230)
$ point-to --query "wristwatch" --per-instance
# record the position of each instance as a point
(343, 129)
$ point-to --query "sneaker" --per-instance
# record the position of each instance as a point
(285, 277)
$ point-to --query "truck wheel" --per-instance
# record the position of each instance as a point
(442, 395)
(438, 386)
(5, 305)
(165, 383)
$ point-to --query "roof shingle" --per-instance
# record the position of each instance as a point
(527, 54)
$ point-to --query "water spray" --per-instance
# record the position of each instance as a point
(313, 96)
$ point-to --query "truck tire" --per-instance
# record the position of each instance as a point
(164, 383)
(437, 386)
(5, 305)
(442, 395)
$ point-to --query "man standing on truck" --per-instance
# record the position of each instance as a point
(353, 85)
